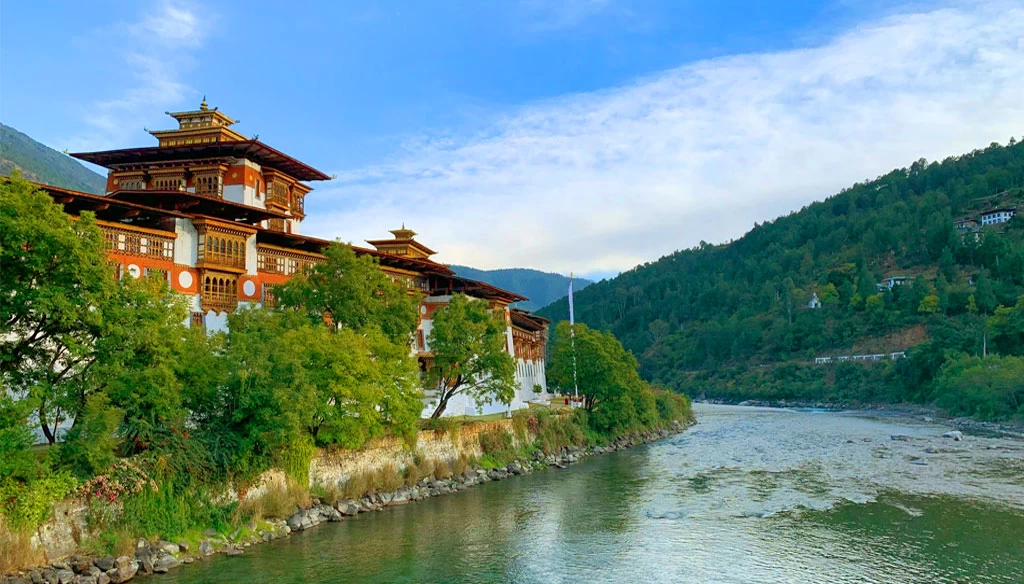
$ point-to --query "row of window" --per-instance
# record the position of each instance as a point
(222, 249)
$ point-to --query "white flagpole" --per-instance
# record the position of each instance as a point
(572, 341)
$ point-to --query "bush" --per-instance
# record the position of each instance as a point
(498, 446)
(169, 511)
(990, 389)
(28, 503)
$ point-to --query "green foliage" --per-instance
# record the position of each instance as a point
(468, 343)
(354, 293)
(1007, 328)
(28, 503)
(89, 446)
(989, 389)
(170, 511)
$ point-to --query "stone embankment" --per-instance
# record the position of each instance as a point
(157, 557)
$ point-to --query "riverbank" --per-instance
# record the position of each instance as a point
(749, 495)
(914, 411)
(161, 556)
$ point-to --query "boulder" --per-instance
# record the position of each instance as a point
(956, 435)
(85, 580)
(103, 578)
(233, 551)
(296, 521)
(65, 577)
(348, 507)
(105, 563)
(167, 547)
(80, 564)
(900, 437)
(164, 562)
(205, 547)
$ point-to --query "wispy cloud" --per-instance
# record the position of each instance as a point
(550, 16)
(607, 180)
(156, 50)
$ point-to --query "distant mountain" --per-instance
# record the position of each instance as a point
(40, 163)
(542, 288)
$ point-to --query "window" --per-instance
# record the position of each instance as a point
(158, 273)
(197, 320)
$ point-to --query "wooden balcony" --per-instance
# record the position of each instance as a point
(137, 241)
(219, 292)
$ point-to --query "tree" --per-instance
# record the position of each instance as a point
(929, 304)
(604, 369)
(354, 292)
(55, 277)
(984, 296)
(874, 303)
(991, 389)
(468, 343)
(1007, 326)
(829, 295)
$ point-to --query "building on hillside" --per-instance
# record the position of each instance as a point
(218, 216)
(968, 227)
(891, 282)
(814, 301)
(996, 216)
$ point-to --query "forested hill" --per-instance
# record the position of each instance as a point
(542, 288)
(40, 163)
(733, 320)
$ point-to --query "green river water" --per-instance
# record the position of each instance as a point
(746, 496)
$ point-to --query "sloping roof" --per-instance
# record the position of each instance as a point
(105, 208)
(194, 204)
(252, 149)
(528, 320)
(445, 284)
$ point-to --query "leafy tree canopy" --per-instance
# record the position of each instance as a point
(468, 343)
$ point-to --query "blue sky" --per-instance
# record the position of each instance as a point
(578, 135)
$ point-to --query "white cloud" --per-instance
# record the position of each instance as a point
(156, 52)
(604, 181)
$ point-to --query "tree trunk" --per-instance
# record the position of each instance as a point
(46, 428)
(440, 407)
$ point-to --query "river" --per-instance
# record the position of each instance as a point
(748, 495)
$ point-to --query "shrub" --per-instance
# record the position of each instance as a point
(28, 503)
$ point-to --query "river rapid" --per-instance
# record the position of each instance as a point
(749, 495)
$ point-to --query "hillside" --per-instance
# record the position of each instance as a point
(542, 288)
(733, 320)
(40, 163)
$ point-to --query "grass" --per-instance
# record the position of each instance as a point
(278, 501)
(16, 551)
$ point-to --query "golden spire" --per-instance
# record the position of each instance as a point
(203, 106)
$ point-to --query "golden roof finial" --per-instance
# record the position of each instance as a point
(203, 106)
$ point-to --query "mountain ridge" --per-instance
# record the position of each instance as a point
(542, 288)
(40, 163)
